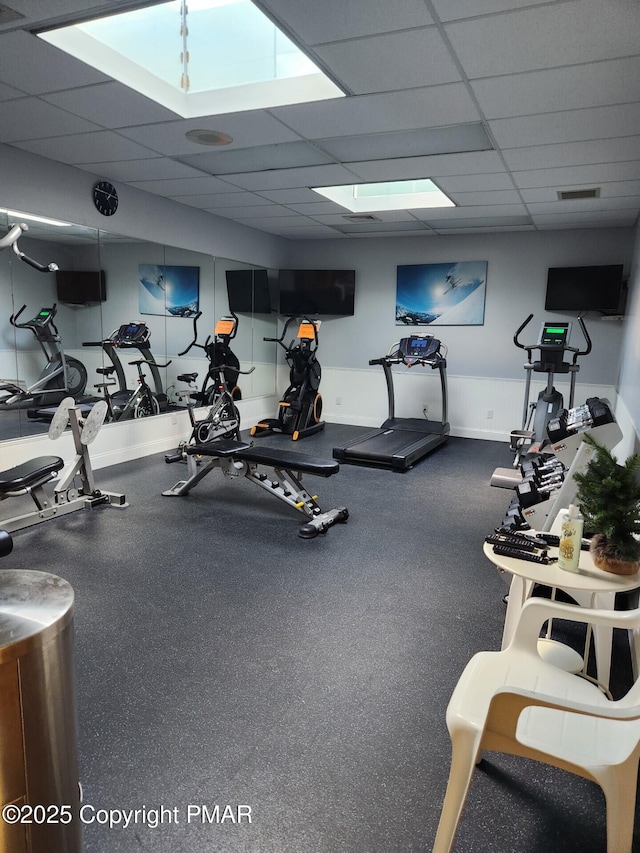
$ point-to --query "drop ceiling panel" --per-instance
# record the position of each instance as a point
(285, 155)
(31, 118)
(485, 229)
(591, 175)
(47, 69)
(388, 62)
(484, 222)
(81, 148)
(570, 126)
(452, 10)
(475, 183)
(575, 87)
(579, 206)
(317, 209)
(555, 34)
(476, 212)
(291, 195)
(217, 200)
(607, 218)
(110, 105)
(334, 20)
(428, 167)
(578, 153)
(383, 216)
(8, 93)
(377, 227)
(266, 211)
(313, 176)
(151, 169)
(554, 85)
(408, 143)
(615, 189)
(390, 111)
(244, 128)
(174, 188)
(464, 199)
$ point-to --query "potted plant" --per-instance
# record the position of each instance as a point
(609, 496)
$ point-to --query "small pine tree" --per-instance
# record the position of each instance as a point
(609, 496)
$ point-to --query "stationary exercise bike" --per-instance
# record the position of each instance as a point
(300, 409)
(219, 390)
(551, 346)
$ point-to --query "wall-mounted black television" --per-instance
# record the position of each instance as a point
(316, 292)
(77, 287)
(597, 288)
(248, 291)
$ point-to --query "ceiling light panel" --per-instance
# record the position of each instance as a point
(389, 195)
(207, 58)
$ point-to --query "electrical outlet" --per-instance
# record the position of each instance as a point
(489, 414)
(425, 409)
(338, 401)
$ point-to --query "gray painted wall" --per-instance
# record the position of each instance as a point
(516, 284)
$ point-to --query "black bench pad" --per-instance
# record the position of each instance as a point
(29, 473)
(272, 456)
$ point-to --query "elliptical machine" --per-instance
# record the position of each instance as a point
(552, 344)
(300, 409)
(61, 376)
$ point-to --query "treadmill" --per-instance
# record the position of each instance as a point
(401, 442)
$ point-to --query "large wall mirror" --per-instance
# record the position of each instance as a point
(133, 282)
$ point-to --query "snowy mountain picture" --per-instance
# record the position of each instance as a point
(449, 294)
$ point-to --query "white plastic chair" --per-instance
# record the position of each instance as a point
(514, 702)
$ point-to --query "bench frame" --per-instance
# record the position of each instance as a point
(236, 459)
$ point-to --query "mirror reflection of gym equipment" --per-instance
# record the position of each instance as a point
(401, 442)
(123, 403)
(61, 376)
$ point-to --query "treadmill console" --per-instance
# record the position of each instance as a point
(131, 335)
(419, 348)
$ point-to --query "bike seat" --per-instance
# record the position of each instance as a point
(187, 377)
(105, 371)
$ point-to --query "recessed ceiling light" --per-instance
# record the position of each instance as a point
(209, 137)
(387, 195)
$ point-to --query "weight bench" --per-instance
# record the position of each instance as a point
(29, 478)
(237, 459)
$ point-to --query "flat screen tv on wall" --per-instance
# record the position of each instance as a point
(248, 291)
(79, 287)
(593, 288)
(317, 292)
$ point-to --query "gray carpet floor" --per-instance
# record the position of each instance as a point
(221, 659)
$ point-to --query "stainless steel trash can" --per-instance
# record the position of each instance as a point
(39, 791)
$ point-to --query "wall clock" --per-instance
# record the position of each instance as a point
(105, 198)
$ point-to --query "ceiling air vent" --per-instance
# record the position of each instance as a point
(362, 217)
(573, 195)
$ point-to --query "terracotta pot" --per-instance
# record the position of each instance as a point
(602, 560)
